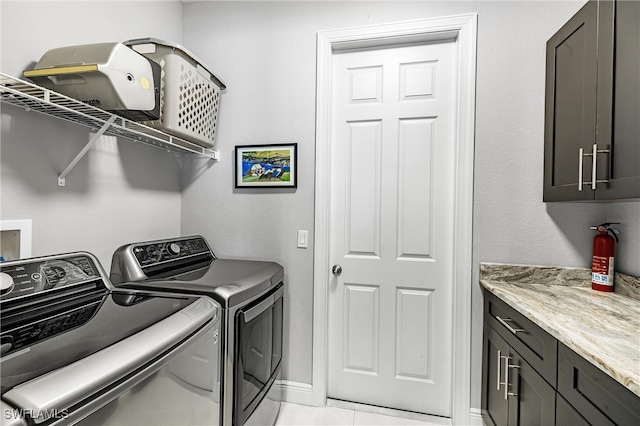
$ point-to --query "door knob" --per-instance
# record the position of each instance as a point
(337, 270)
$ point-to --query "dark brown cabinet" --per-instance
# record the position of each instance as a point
(594, 394)
(529, 378)
(534, 400)
(592, 106)
(519, 363)
(567, 415)
(513, 392)
(495, 398)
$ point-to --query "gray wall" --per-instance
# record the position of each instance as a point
(265, 52)
(121, 191)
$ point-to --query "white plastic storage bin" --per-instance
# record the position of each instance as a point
(189, 92)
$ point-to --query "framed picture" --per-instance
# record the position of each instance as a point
(267, 166)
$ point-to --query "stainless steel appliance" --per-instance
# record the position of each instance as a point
(251, 296)
(77, 351)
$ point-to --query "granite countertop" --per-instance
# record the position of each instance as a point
(604, 328)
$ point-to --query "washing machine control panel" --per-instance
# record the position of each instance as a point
(149, 254)
(47, 296)
(18, 279)
(42, 327)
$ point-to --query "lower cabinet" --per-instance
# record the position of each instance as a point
(529, 378)
(495, 398)
(534, 399)
(513, 392)
(567, 415)
(593, 393)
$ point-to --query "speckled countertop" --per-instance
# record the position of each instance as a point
(604, 328)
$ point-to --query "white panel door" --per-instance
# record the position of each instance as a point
(392, 220)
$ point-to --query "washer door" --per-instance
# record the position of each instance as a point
(182, 391)
(77, 389)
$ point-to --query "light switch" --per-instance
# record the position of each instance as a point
(303, 238)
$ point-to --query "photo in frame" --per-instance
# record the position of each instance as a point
(266, 166)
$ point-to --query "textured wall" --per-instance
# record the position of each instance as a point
(265, 52)
(628, 248)
(120, 191)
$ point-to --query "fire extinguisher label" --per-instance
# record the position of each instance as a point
(610, 272)
(602, 270)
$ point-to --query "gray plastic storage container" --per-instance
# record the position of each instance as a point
(110, 76)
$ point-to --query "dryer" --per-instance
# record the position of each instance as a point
(250, 294)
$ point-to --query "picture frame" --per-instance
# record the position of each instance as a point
(266, 166)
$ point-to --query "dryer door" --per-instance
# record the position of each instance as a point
(259, 351)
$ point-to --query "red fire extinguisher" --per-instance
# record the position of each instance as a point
(604, 244)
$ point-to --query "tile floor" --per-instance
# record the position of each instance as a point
(351, 415)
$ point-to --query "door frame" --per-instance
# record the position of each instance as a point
(462, 29)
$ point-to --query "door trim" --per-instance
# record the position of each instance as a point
(463, 29)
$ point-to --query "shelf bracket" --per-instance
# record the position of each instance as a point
(87, 147)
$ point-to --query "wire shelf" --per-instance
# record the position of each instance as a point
(32, 97)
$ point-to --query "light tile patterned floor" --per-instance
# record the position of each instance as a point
(301, 415)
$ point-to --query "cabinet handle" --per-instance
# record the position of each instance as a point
(507, 393)
(580, 161)
(506, 383)
(499, 368)
(594, 163)
(506, 375)
(511, 329)
(594, 172)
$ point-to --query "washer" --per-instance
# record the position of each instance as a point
(251, 296)
(77, 351)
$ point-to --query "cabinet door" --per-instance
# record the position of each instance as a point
(570, 106)
(618, 125)
(594, 394)
(567, 415)
(533, 402)
(495, 405)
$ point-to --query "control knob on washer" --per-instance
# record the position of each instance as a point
(174, 248)
(6, 283)
(6, 343)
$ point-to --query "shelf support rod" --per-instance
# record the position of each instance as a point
(87, 147)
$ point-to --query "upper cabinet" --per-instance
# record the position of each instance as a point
(592, 111)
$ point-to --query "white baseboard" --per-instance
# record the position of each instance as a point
(302, 393)
(475, 417)
(295, 392)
